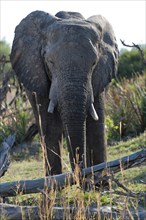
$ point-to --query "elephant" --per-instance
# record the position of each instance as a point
(65, 63)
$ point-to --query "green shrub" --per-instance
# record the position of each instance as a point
(126, 107)
(112, 129)
(16, 124)
(15, 120)
(130, 63)
(4, 55)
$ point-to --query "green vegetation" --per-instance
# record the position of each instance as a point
(18, 124)
(124, 148)
(4, 48)
(126, 108)
(4, 55)
(130, 63)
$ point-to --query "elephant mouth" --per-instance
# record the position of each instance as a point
(53, 97)
(91, 110)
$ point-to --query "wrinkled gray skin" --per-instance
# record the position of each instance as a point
(65, 62)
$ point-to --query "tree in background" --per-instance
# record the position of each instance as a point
(4, 56)
(130, 63)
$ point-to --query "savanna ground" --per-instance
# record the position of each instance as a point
(27, 163)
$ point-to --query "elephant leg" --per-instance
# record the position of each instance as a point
(50, 129)
(96, 141)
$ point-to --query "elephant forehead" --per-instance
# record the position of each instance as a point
(70, 30)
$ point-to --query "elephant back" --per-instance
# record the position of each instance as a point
(69, 15)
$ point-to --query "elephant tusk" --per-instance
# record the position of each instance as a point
(51, 107)
(93, 112)
(53, 96)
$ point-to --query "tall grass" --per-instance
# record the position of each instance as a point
(126, 107)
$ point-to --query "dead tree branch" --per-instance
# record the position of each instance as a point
(62, 180)
(138, 48)
(128, 192)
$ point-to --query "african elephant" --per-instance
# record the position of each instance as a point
(65, 63)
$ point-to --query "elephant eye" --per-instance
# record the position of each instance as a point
(50, 63)
(93, 64)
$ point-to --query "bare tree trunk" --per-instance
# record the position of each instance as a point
(11, 212)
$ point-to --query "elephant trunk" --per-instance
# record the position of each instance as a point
(76, 142)
(72, 91)
(73, 110)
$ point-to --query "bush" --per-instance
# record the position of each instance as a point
(4, 56)
(111, 129)
(17, 122)
(130, 63)
(126, 108)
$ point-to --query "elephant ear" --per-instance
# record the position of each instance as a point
(106, 68)
(26, 55)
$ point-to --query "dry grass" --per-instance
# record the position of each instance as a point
(75, 196)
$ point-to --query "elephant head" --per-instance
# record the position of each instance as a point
(69, 61)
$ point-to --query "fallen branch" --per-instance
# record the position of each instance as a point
(35, 186)
(128, 193)
(126, 162)
(10, 212)
(5, 153)
(65, 179)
